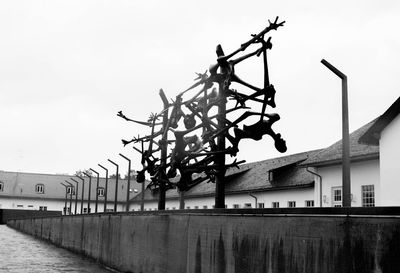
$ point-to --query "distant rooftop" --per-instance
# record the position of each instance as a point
(251, 177)
(333, 154)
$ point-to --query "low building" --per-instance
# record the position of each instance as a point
(271, 183)
(45, 192)
(311, 178)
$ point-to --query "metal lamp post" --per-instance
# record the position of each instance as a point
(106, 188)
(116, 185)
(129, 181)
(66, 198)
(76, 194)
(83, 191)
(70, 196)
(97, 189)
(90, 187)
(345, 136)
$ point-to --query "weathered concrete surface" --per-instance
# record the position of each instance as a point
(8, 214)
(228, 242)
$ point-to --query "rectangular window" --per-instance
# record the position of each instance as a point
(275, 205)
(70, 190)
(20, 206)
(84, 210)
(44, 208)
(247, 205)
(337, 196)
(30, 206)
(204, 207)
(1, 186)
(260, 205)
(368, 196)
(39, 188)
(173, 208)
(291, 204)
(309, 203)
(100, 192)
(188, 207)
(196, 207)
(236, 206)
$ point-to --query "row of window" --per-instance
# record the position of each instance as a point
(290, 204)
(43, 208)
(367, 196)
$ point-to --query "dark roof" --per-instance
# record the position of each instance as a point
(251, 177)
(333, 154)
(373, 134)
(22, 185)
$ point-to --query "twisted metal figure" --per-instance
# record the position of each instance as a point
(197, 153)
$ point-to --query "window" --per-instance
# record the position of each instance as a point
(236, 206)
(67, 209)
(337, 196)
(204, 207)
(309, 203)
(187, 207)
(70, 190)
(20, 206)
(247, 205)
(100, 192)
(368, 196)
(109, 210)
(196, 207)
(39, 188)
(275, 205)
(1, 186)
(260, 205)
(44, 208)
(291, 204)
(173, 208)
(30, 206)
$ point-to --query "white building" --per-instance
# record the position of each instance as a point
(45, 192)
(312, 178)
(306, 179)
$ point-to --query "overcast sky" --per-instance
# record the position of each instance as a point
(67, 68)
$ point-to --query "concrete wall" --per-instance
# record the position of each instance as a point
(7, 214)
(389, 152)
(274, 241)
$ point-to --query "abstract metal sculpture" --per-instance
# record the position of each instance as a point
(199, 148)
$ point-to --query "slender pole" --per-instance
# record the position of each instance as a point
(220, 160)
(97, 189)
(162, 173)
(90, 189)
(181, 200)
(66, 198)
(83, 191)
(76, 194)
(142, 197)
(129, 182)
(70, 196)
(116, 185)
(345, 136)
(106, 188)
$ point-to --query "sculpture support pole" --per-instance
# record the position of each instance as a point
(220, 161)
(162, 171)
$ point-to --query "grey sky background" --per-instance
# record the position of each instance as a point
(67, 68)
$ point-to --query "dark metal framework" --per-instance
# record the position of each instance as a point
(199, 141)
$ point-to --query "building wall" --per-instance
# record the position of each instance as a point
(242, 200)
(362, 173)
(53, 205)
(390, 163)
